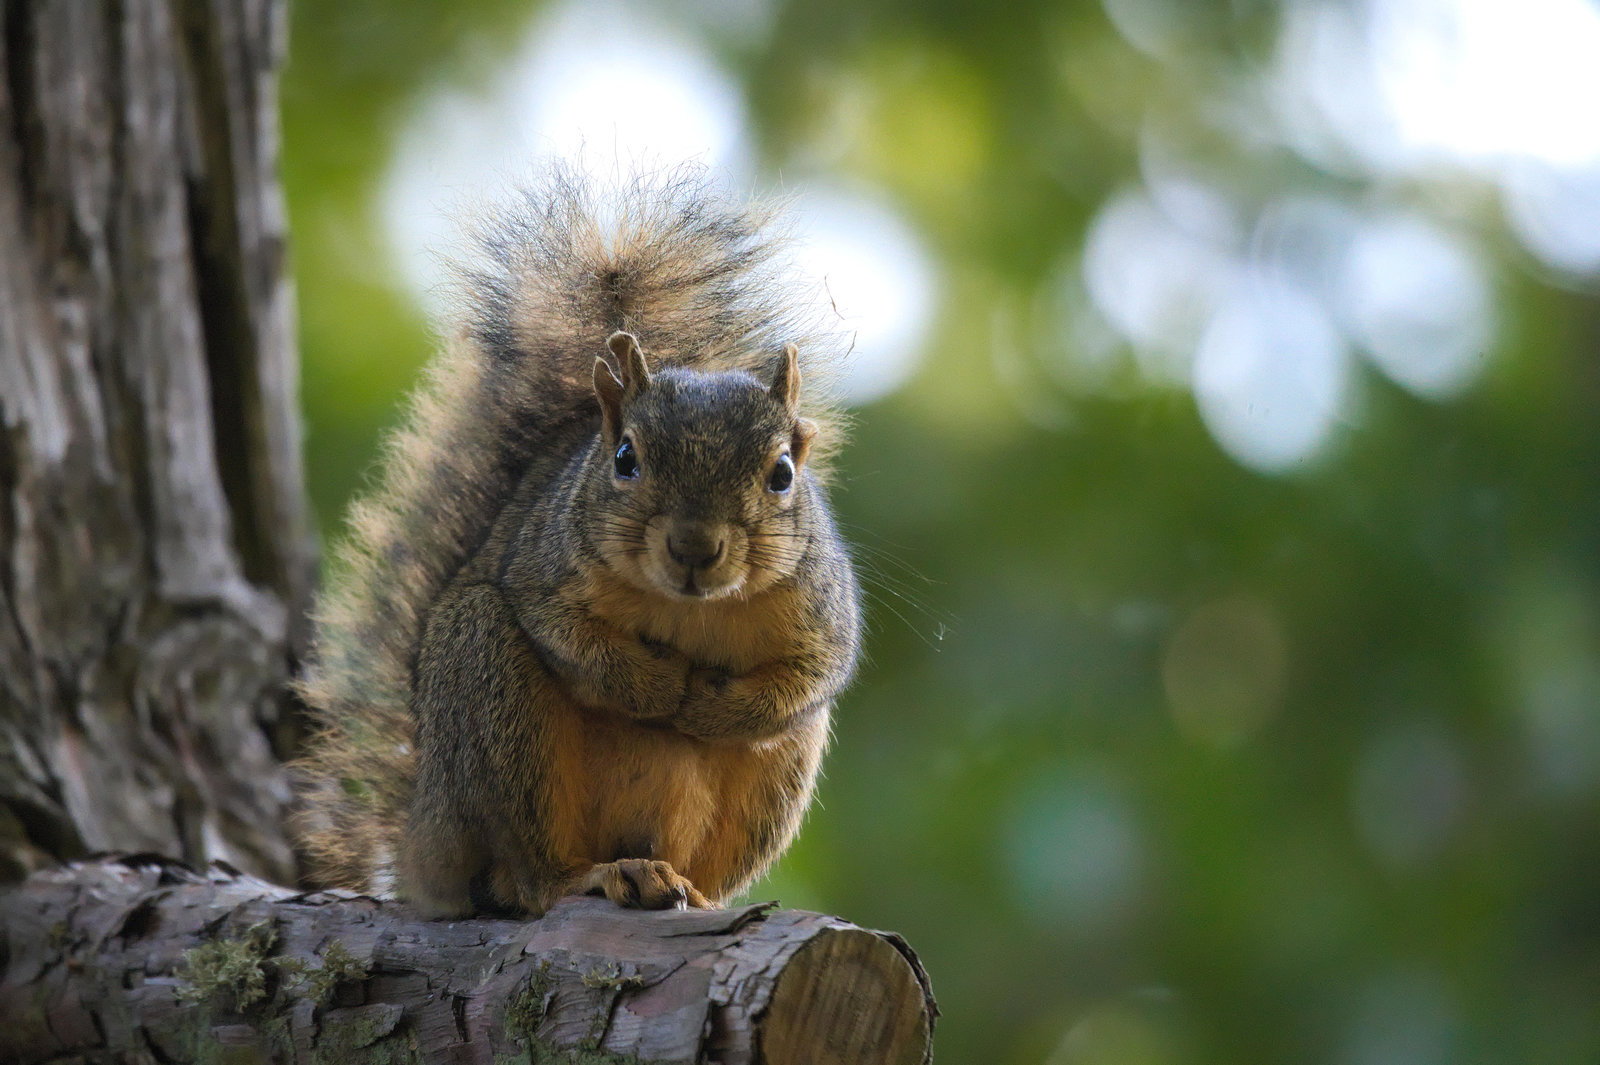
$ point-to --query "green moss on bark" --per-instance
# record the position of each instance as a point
(229, 969)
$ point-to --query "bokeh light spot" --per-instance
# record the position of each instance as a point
(1555, 212)
(1487, 78)
(877, 281)
(1271, 376)
(601, 83)
(1417, 301)
(1305, 239)
(911, 120)
(1075, 851)
(1410, 87)
(1224, 670)
(1118, 1034)
(1402, 1018)
(1550, 638)
(1409, 790)
(1154, 281)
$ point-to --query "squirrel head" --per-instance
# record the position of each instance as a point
(698, 489)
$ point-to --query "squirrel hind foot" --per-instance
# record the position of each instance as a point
(438, 908)
(486, 902)
(640, 884)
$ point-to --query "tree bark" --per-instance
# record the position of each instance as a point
(155, 556)
(138, 959)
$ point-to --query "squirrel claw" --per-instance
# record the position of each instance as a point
(640, 884)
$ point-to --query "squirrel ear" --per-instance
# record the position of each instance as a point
(805, 430)
(635, 374)
(609, 391)
(786, 382)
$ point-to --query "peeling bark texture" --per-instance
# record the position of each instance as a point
(155, 558)
(137, 959)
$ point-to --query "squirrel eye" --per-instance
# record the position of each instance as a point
(782, 475)
(626, 462)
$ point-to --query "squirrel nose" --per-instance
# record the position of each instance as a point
(694, 545)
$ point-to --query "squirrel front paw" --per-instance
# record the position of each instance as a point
(705, 687)
(641, 884)
(661, 677)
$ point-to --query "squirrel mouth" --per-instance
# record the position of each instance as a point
(698, 585)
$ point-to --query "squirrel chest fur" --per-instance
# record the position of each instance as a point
(591, 627)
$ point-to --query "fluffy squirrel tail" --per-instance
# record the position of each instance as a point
(700, 279)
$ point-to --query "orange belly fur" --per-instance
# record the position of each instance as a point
(621, 789)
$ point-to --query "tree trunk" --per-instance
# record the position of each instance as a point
(141, 960)
(155, 558)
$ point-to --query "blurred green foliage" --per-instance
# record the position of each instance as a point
(1379, 856)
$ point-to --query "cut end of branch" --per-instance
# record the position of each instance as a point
(848, 997)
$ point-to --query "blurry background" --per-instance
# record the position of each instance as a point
(1227, 479)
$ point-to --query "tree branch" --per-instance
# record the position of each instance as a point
(139, 959)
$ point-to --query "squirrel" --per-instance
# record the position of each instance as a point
(588, 629)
